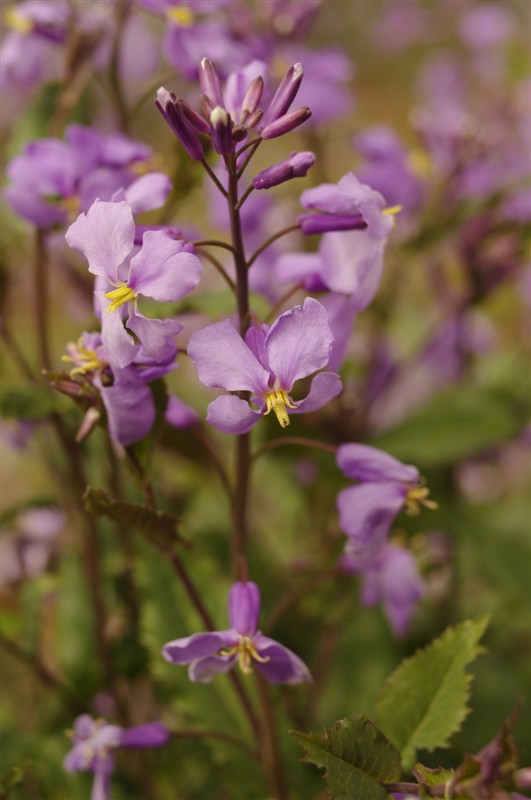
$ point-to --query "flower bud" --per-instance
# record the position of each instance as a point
(88, 423)
(252, 96)
(255, 118)
(166, 103)
(221, 131)
(191, 116)
(286, 123)
(296, 166)
(325, 223)
(285, 94)
(209, 82)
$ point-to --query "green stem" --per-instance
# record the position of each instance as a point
(289, 440)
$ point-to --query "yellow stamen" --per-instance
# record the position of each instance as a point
(391, 211)
(89, 358)
(277, 401)
(18, 22)
(122, 294)
(416, 497)
(246, 652)
(180, 16)
(71, 206)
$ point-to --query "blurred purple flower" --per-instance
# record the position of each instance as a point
(366, 511)
(216, 652)
(266, 364)
(26, 546)
(95, 741)
(486, 25)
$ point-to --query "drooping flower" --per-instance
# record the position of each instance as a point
(266, 363)
(95, 741)
(392, 579)
(345, 206)
(216, 652)
(366, 511)
(163, 269)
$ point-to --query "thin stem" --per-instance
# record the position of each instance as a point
(270, 750)
(239, 508)
(223, 737)
(265, 245)
(245, 147)
(213, 243)
(214, 177)
(253, 147)
(219, 267)
(18, 356)
(290, 598)
(41, 277)
(414, 788)
(288, 441)
(202, 437)
(244, 196)
(122, 11)
(281, 301)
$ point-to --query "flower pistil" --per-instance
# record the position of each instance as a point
(119, 296)
(277, 401)
(246, 651)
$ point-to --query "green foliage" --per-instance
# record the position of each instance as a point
(34, 403)
(455, 424)
(432, 777)
(357, 757)
(158, 527)
(425, 700)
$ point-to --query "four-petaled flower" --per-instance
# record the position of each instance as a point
(367, 510)
(266, 364)
(216, 652)
(95, 742)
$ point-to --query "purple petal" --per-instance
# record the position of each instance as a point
(204, 669)
(230, 414)
(156, 335)
(299, 343)
(352, 264)
(224, 361)
(283, 665)
(364, 463)
(119, 344)
(101, 787)
(178, 414)
(244, 607)
(162, 269)
(366, 513)
(153, 734)
(130, 411)
(148, 192)
(341, 318)
(200, 645)
(325, 386)
(105, 235)
(297, 267)
(327, 197)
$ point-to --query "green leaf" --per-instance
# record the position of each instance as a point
(432, 777)
(34, 403)
(357, 758)
(158, 527)
(425, 700)
(455, 424)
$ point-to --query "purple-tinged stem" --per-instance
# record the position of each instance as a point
(244, 196)
(300, 590)
(273, 314)
(265, 245)
(214, 177)
(218, 266)
(253, 147)
(213, 243)
(289, 440)
(270, 749)
(122, 11)
(41, 289)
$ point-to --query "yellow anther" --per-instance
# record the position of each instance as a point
(122, 294)
(90, 362)
(180, 16)
(277, 401)
(391, 211)
(416, 497)
(17, 21)
(246, 652)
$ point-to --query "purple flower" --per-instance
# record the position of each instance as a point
(366, 511)
(27, 545)
(349, 205)
(216, 652)
(393, 580)
(163, 269)
(296, 166)
(95, 741)
(266, 364)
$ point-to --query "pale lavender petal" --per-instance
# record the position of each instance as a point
(244, 607)
(299, 343)
(163, 269)
(297, 267)
(230, 414)
(130, 411)
(153, 734)
(325, 386)
(179, 414)
(224, 361)
(119, 344)
(362, 462)
(204, 669)
(283, 665)
(105, 235)
(148, 192)
(255, 339)
(101, 786)
(366, 513)
(156, 335)
(341, 318)
(199, 645)
(352, 264)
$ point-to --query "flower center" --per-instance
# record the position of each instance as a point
(180, 16)
(122, 294)
(416, 497)
(391, 211)
(86, 360)
(18, 22)
(277, 401)
(246, 651)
